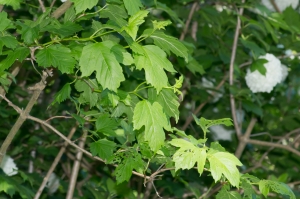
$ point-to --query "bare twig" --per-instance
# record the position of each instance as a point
(1, 7)
(244, 138)
(52, 3)
(62, 9)
(42, 5)
(76, 167)
(54, 164)
(188, 21)
(231, 76)
(38, 87)
(61, 116)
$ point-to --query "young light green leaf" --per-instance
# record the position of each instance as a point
(134, 22)
(62, 95)
(88, 95)
(58, 56)
(194, 66)
(153, 60)
(248, 189)
(278, 187)
(103, 148)
(13, 3)
(157, 25)
(170, 44)
(205, 124)
(167, 99)
(224, 163)
(188, 155)
(132, 6)
(82, 5)
(98, 57)
(106, 125)
(152, 117)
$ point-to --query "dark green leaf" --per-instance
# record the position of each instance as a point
(103, 148)
(106, 125)
(259, 65)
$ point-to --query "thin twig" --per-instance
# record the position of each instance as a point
(54, 164)
(62, 9)
(188, 21)
(76, 167)
(52, 4)
(42, 5)
(231, 70)
(60, 116)
(38, 87)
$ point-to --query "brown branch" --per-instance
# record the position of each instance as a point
(52, 3)
(76, 167)
(1, 7)
(62, 9)
(42, 5)
(54, 164)
(276, 145)
(244, 138)
(188, 21)
(231, 70)
(38, 87)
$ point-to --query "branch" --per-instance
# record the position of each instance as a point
(76, 167)
(54, 164)
(231, 75)
(276, 145)
(42, 5)
(1, 7)
(38, 87)
(188, 21)
(243, 139)
(62, 9)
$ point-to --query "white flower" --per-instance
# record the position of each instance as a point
(220, 133)
(281, 4)
(9, 166)
(260, 83)
(284, 72)
(208, 84)
(52, 183)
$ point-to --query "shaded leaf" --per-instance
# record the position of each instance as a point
(62, 95)
(132, 6)
(106, 125)
(103, 148)
(82, 5)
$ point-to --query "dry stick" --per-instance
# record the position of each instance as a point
(1, 8)
(243, 139)
(231, 76)
(54, 164)
(52, 3)
(38, 87)
(76, 167)
(42, 5)
(62, 9)
(187, 24)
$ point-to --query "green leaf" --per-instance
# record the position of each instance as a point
(131, 160)
(115, 13)
(62, 95)
(169, 44)
(5, 23)
(134, 22)
(188, 155)
(224, 163)
(63, 30)
(248, 190)
(259, 65)
(19, 54)
(106, 125)
(82, 5)
(70, 15)
(253, 47)
(88, 95)
(103, 148)
(29, 33)
(170, 12)
(153, 60)
(152, 117)
(157, 25)
(58, 56)
(132, 6)
(167, 99)
(7, 187)
(252, 107)
(278, 187)
(194, 66)
(226, 194)
(13, 3)
(205, 124)
(98, 57)
(9, 41)
(109, 98)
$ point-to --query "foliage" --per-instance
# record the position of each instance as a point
(119, 73)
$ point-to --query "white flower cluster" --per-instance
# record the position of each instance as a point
(281, 4)
(220, 133)
(52, 183)
(9, 166)
(275, 74)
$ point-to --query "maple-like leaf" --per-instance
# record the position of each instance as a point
(153, 60)
(87, 94)
(62, 95)
(103, 148)
(155, 121)
(134, 22)
(132, 6)
(58, 56)
(82, 5)
(115, 13)
(14, 3)
(98, 57)
(106, 125)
